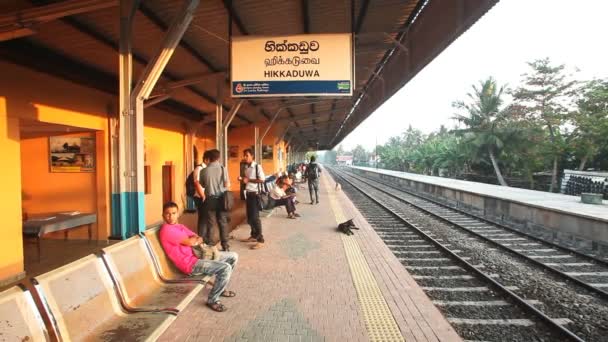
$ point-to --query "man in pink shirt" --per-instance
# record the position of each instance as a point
(177, 241)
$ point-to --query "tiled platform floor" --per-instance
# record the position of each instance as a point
(299, 287)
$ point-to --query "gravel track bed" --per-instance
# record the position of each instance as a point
(486, 294)
(561, 300)
(514, 334)
(494, 312)
(428, 272)
(463, 296)
(449, 282)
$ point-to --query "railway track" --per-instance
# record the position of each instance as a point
(464, 285)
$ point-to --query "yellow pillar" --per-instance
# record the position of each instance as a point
(11, 243)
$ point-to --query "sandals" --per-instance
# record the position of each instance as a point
(217, 306)
(228, 294)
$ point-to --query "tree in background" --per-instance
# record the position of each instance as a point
(360, 155)
(591, 121)
(545, 98)
(310, 154)
(484, 121)
(340, 150)
(329, 157)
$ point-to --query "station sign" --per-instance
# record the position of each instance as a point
(295, 65)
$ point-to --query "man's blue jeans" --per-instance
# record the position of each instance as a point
(221, 269)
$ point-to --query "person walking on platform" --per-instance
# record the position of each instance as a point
(215, 182)
(313, 171)
(199, 195)
(253, 180)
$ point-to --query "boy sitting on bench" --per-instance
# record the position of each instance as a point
(177, 241)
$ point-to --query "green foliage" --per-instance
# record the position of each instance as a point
(545, 98)
(590, 119)
(552, 122)
(486, 128)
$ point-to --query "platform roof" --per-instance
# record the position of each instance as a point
(394, 40)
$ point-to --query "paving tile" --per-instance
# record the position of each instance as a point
(299, 286)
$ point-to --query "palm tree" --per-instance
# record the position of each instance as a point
(483, 121)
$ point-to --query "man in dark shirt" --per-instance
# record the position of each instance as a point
(214, 179)
(313, 172)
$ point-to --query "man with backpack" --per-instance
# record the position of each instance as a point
(215, 181)
(313, 172)
(194, 189)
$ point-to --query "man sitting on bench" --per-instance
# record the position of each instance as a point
(177, 241)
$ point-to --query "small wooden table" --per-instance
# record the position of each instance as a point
(39, 225)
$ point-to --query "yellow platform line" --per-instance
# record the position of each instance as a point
(379, 320)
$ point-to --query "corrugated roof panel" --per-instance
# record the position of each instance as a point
(329, 16)
(77, 45)
(208, 31)
(270, 17)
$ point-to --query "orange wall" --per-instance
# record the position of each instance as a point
(243, 137)
(47, 192)
(163, 147)
(26, 94)
(11, 248)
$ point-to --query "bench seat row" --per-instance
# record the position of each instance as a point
(130, 292)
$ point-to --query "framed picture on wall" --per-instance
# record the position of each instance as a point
(71, 154)
(266, 151)
(233, 152)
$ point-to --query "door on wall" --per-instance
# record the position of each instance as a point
(167, 183)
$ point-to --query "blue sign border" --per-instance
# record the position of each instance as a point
(275, 88)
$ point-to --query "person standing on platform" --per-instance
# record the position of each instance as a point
(215, 181)
(313, 171)
(253, 180)
(199, 195)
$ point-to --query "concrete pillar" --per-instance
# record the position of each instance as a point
(131, 197)
(11, 244)
(257, 144)
(219, 119)
(123, 222)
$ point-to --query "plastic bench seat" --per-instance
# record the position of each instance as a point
(19, 317)
(132, 268)
(164, 266)
(82, 303)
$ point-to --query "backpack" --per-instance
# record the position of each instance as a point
(226, 198)
(312, 172)
(190, 186)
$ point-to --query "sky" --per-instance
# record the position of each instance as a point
(512, 33)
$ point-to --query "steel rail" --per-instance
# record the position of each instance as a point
(518, 300)
(603, 294)
(496, 223)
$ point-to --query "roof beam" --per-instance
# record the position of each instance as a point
(25, 53)
(361, 17)
(387, 54)
(23, 22)
(164, 89)
(310, 116)
(235, 17)
(148, 13)
(305, 16)
(79, 26)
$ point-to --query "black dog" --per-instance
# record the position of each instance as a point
(345, 227)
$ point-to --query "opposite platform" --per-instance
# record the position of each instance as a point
(312, 283)
(559, 218)
(541, 199)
